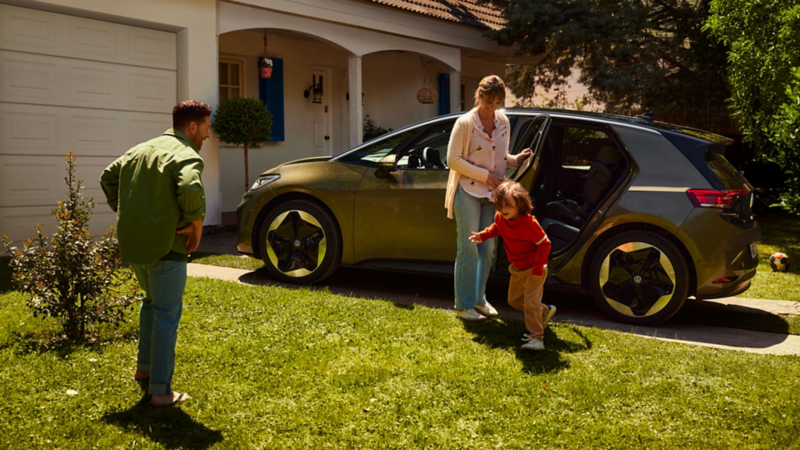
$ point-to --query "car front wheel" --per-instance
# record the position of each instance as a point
(640, 278)
(300, 242)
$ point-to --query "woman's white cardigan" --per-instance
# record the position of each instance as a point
(457, 153)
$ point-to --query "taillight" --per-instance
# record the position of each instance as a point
(707, 198)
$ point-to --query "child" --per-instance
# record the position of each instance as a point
(527, 248)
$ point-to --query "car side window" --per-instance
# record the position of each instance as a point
(580, 146)
(428, 151)
(369, 155)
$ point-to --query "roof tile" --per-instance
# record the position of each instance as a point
(468, 12)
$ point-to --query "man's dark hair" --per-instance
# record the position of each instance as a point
(189, 111)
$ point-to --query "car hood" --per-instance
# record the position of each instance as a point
(298, 161)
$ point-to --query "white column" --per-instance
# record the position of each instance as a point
(455, 91)
(356, 109)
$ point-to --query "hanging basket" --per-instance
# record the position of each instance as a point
(426, 96)
(266, 68)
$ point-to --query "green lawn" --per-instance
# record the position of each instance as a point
(273, 367)
(235, 261)
(779, 233)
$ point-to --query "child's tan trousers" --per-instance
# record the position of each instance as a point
(525, 294)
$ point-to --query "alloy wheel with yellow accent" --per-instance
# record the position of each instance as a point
(639, 277)
(300, 242)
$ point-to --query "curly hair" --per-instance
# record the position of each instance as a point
(508, 190)
(491, 87)
(189, 111)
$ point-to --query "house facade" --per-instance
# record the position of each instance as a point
(99, 76)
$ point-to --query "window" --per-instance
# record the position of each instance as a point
(371, 154)
(429, 151)
(230, 80)
(580, 146)
(461, 102)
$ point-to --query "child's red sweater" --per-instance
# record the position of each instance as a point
(524, 239)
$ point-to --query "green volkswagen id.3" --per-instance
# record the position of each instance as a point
(642, 214)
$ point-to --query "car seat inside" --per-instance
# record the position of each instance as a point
(580, 167)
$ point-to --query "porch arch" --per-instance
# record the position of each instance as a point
(356, 41)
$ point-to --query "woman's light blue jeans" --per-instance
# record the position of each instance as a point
(473, 262)
(163, 283)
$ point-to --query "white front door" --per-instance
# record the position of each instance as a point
(322, 115)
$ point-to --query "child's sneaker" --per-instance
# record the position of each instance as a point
(487, 310)
(550, 313)
(532, 344)
(470, 315)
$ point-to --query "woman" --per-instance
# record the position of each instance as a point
(477, 156)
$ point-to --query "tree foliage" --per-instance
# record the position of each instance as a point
(649, 54)
(764, 75)
(72, 277)
(245, 122)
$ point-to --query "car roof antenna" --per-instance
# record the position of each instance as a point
(647, 117)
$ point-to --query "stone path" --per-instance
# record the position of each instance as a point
(717, 337)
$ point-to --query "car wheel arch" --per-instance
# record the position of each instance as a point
(630, 227)
(279, 200)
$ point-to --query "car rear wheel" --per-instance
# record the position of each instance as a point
(300, 242)
(640, 278)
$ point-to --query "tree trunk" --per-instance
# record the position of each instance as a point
(246, 171)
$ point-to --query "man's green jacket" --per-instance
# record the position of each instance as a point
(155, 189)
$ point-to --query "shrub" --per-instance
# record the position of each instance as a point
(73, 278)
(372, 129)
(243, 121)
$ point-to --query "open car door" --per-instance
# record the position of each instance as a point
(535, 131)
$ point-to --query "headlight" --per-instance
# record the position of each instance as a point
(264, 180)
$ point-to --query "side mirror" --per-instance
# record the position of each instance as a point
(385, 167)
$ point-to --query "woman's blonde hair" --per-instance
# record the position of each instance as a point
(511, 189)
(491, 87)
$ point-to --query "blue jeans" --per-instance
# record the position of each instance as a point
(163, 283)
(473, 262)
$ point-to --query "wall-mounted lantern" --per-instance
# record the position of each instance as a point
(315, 88)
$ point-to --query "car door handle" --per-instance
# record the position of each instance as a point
(327, 138)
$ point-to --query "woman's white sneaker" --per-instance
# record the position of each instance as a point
(470, 315)
(487, 310)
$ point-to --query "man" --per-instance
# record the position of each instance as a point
(157, 192)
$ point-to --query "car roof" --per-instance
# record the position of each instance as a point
(640, 121)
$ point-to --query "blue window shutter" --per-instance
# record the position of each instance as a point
(444, 93)
(270, 91)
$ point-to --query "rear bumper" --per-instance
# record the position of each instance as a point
(724, 252)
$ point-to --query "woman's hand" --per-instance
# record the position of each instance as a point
(493, 180)
(523, 155)
(475, 238)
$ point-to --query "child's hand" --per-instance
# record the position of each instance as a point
(475, 238)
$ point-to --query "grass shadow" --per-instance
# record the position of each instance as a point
(507, 334)
(59, 345)
(170, 427)
(5, 275)
(742, 317)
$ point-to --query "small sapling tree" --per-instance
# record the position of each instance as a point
(245, 122)
(72, 277)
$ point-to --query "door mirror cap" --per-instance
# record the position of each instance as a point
(385, 166)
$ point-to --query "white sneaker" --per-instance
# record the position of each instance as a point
(471, 315)
(532, 344)
(550, 313)
(487, 310)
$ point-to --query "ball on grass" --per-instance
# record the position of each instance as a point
(780, 262)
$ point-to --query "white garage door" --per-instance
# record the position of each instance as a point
(68, 83)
